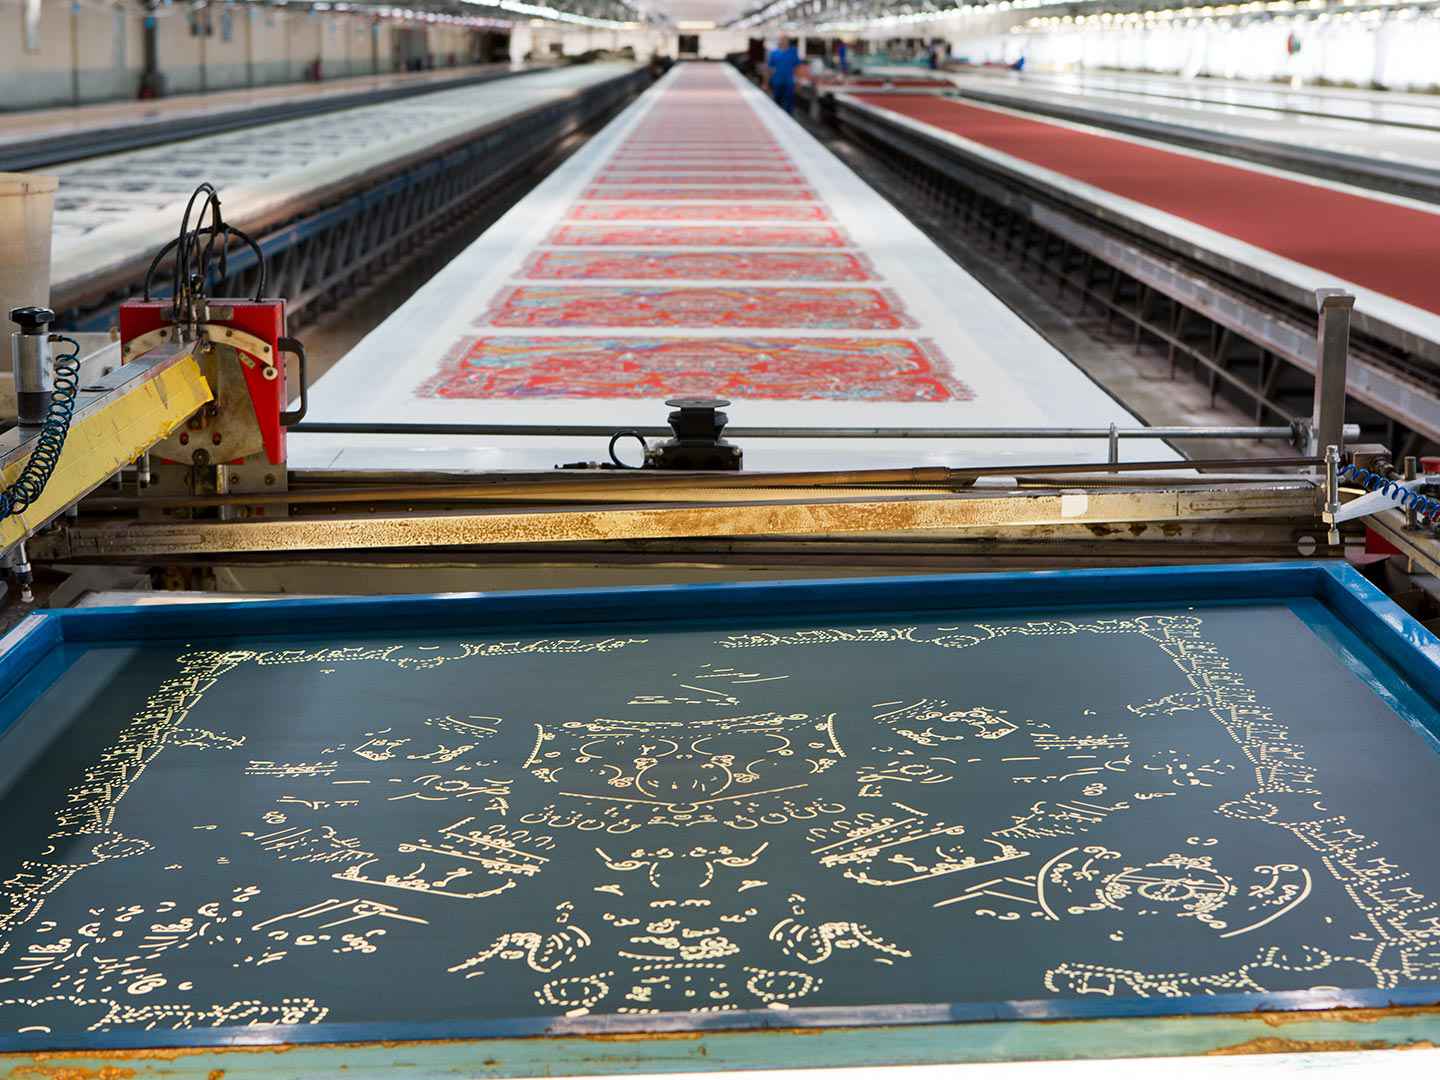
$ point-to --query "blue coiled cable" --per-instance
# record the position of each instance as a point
(30, 484)
(1425, 507)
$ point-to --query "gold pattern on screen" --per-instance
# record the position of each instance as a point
(717, 835)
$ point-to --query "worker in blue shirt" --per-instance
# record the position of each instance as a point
(780, 74)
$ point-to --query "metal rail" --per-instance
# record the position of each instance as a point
(1288, 433)
(615, 486)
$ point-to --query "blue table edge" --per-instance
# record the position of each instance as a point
(1394, 635)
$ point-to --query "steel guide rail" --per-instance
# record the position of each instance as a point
(1240, 431)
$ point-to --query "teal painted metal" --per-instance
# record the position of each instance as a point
(779, 1049)
(1396, 657)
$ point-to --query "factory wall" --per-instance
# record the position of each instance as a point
(573, 41)
(95, 51)
(107, 55)
(84, 53)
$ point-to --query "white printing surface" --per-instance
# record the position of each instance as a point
(1017, 379)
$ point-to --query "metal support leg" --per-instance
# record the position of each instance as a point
(1332, 351)
(21, 574)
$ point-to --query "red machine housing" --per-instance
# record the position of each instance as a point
(263, 319)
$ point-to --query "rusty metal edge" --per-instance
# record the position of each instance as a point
(776, 1047)
(642, 521)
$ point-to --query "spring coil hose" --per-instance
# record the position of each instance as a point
(30, 484)
(1427, 508)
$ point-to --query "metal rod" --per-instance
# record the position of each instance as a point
(634, 485)
(1331, 466)
(1351, 431)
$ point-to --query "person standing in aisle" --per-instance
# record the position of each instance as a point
(842, 57)
(780, 73)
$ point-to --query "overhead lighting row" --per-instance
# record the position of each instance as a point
(544, 11)
(882, 21)
(1308, 11)
(514, 7)
(774, 12)
(409, 15)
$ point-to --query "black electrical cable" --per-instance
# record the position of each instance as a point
(184, 257)
(192, 261)
(229, 230)
(30, 484)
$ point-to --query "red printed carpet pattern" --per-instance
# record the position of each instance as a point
(718, 212)
(699, 193)
(690, 162)
(726, 236)
(697, 266)
(698, 177)
(697, 308)
(773, 369)
(718, 194)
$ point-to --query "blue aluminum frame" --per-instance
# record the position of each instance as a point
(1397, 657)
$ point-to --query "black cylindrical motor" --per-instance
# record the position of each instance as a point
(34, 366)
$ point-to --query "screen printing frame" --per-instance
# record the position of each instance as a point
(1393, 654)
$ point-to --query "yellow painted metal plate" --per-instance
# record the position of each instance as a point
(102, 440)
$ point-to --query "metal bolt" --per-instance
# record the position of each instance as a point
(1332, 492)
(201, 457)
(215, 438)
(184, 438)
(269, 478)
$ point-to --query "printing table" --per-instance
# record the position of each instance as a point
(994, 817)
